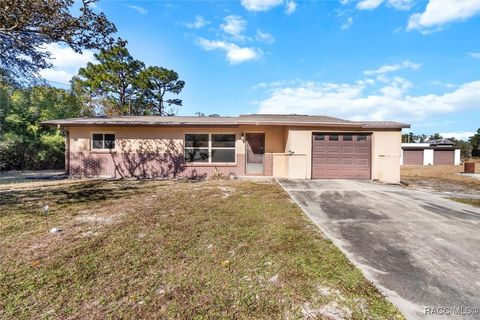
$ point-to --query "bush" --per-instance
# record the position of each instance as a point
(45, 151)
(52, 152)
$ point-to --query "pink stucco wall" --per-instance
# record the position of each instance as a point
(151, 165)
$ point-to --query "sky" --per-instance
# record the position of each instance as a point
(414, 61)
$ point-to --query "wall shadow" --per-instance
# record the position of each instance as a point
(151, 159)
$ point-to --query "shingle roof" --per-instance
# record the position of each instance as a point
(442, 141)
(250, 119)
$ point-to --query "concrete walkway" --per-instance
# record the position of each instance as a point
(420, 249)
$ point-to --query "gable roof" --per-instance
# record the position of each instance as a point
(250, 119)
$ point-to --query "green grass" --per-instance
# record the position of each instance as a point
(150, 249)
(470, 201)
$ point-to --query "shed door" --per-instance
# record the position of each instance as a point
(445, 157)
(341, 156)
(413, 157)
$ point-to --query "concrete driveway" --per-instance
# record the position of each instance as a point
(421, 250)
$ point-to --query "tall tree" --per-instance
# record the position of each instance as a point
(23, 143)
(113, 82)
(118, 84)
(435, 136)
(156, 82)
(27, 26)
(475, 142)
(414, 138)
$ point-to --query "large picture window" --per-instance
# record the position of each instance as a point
(210, 148)
(103, 141)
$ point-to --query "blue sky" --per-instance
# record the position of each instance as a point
(407, 60)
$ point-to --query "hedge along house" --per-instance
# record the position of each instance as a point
(289, 146)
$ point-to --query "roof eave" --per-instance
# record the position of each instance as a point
(392, 126)
(62, 124)
(137, 124)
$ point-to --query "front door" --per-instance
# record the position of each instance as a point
(255, 143)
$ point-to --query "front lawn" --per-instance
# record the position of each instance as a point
(162, 249)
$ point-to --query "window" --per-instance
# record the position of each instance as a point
(362, 137)
(196, 148)
(333, 137)
(103, 141)
(223, 148)
(347, 137)
(319, 137)
(210, 148)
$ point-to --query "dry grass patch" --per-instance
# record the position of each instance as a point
(439, 178)
(150, 249)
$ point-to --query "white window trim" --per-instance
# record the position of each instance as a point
(103, 149)
(209, 148)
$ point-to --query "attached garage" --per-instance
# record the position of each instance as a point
(341, 156)
(413, 157)
(443, 157)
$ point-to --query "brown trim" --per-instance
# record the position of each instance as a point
(234, 123)
(73, 125)
(430, 148)
(103, 151)
(206, 164)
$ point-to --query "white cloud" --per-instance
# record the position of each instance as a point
(383, 98)
(265, 5)
(356, 101)
(400, 4)
(368, 4)
(199, 23)
(393, 67)
(260, 5)
(275, 84)
(56, 76)
(264, 37)
(395, 87)
(373, 4)
(235, 26)
(347, 23)
(234, 53)
(290, 7)
(440, 12)
(475, 55)
(66, 63)
(139, 9)
(459, 135)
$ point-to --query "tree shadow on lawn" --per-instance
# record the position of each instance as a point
(72, 194)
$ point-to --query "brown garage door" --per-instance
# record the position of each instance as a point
(443, 157)
(341, 156)
(413, 157)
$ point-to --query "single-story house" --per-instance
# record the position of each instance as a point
(433, 152)
(290, 146)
